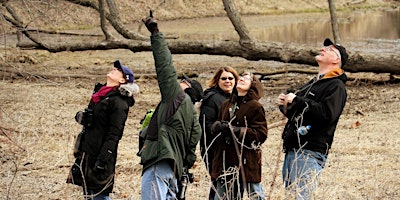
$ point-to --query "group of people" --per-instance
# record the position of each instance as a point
(231, 127)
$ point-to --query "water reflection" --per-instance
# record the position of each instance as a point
(306, 28)
(356, 26)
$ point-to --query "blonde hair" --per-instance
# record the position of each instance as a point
(213, 83)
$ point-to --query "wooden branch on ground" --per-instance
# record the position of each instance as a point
(52, 32)
(281, 52)
(373, 78)
(355, 2)
(277, 124)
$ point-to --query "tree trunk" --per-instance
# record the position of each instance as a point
(334, 23)
(103, 20)
(236, 20)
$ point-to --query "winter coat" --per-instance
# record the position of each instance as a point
(247, 112)
(209, 110)
(102, 135)
(318, 103)
(174, 130)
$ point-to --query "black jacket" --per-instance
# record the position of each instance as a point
(318, 103)
(100, 141)
(210, 106)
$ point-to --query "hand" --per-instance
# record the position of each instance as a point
(218, 126)
(224, 128)
(290, 97)
(150, 23)
(236, 130)
(285, 99)
(227, 130)
(281, 99)
(99, 166)
(215, 128)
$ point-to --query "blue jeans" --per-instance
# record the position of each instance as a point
(254, 191)
(300, 171)
(97, 197)
(159, 182)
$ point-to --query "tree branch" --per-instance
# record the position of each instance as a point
(115, 22)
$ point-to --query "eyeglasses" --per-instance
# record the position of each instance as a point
(330, 49)
(186, 82)
(229, 78)
(245, 78)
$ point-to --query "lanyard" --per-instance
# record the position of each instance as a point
(232, 111)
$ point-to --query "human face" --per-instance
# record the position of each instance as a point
(244, 83)
(185, 84)
(328, 54)
(329, 48)
(226, 82)
(115, 77)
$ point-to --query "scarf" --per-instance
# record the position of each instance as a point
(96, 97)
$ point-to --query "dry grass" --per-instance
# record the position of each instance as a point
(37, 117)
(38, 130)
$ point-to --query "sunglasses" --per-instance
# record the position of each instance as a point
(229, 78)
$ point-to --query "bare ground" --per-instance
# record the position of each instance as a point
(38, 129)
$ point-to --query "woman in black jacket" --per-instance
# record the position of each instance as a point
(103, 125)
(220, 89)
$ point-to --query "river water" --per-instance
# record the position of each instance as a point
(303, 28)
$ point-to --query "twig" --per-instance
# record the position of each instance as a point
(277, 124)
(239, 151)
(12, 180)
(275, 170)
(5, 134)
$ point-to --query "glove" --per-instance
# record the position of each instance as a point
(225, 130)
(79, 117)
(99, 166)
(236, 130)
(219, 126)
(150, 23)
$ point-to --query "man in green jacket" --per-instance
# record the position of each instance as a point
(174, 129)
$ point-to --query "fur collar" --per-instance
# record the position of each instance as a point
(128, 89)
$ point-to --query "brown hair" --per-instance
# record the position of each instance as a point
(213, 83)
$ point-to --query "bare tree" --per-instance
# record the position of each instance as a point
(103, 20)
(246, 47)
(334, 22)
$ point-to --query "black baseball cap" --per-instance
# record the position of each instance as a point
(343, 53)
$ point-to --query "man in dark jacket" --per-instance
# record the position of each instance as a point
(174, 130)
(313, 112)
(103, 125)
